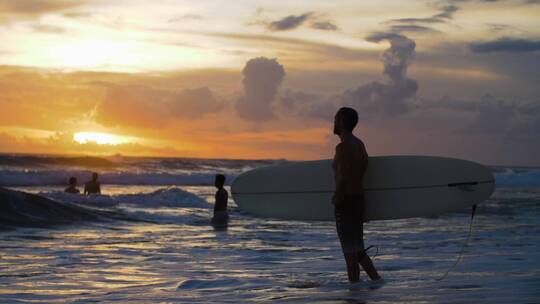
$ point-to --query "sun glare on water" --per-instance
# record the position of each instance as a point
(99, 138)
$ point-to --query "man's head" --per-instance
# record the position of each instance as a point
(94, 176)
(73, 181)
(345, 120)
(219, 181)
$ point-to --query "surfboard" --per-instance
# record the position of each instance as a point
(395, 187)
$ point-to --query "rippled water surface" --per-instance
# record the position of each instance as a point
(172, 254)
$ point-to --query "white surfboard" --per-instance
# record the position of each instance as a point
(395, 187)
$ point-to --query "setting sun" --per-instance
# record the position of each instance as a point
(100, 138)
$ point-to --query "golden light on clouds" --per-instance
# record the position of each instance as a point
(103, 77)
(101, 138)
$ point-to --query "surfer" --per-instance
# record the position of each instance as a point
(221, 216)
(349, 165)
(72, 188)
(93, 186)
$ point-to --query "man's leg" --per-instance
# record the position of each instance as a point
(353, 271)
(368, 266)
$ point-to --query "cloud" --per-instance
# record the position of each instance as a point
(506, 44)
(446, 13)
(32, 9)
(193, 103)
(147, 107)
(374, 99)
(412, 28)
(186, 17)
(262, 78)
(300, 46)
(48, 29)
(308, 105)
(492, 117)
(387, 98)
(289, 22)
(324, 26)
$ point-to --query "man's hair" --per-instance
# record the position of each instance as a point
(349, 117)
(72, 180)
(220, 178)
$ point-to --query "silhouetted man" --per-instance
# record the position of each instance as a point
(221, 216)
(93, 186)
(72, 188)
(349, 165)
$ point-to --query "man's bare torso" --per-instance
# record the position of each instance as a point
(350, 163)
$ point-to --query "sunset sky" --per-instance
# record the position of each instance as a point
(263, 79)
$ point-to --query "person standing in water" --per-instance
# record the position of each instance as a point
(72, 188)
(221, 216)
(349, 165)
(93, 186)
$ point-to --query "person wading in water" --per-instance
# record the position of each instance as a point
(349, 165)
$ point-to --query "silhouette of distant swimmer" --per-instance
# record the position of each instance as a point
(221, 216)
(349, 165)
(93, 186)
(72, 188)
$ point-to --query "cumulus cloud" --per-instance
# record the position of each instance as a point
(193, 103)
(506, 44)
(262, 79)
(289, 22)
(147, 107)
(387, 98)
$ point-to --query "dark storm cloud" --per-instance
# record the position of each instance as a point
(289, 22)
(262, 79)
(506, 44)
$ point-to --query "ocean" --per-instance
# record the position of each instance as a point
(148, 239)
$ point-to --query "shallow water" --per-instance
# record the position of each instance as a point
(172, 254)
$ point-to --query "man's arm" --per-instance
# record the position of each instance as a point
(344, 158)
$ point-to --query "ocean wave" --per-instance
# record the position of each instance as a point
(40, 161)
(151, 175)
(60, 177)
(20, 209)
(150, 164)
(166, 197)
(517, 177)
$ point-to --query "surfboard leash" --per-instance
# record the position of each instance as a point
(460, 254)
(376, 252)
